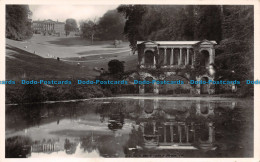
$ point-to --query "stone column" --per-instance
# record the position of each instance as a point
(188, 56)
(171, 129)
(211, 56)
(154, 127)
(156, 103)
(165, 56)
(154, 60)
(211, 133)
(179, 131)
(187, 133)
(141, 103)
(164, 135)
(141, 89)
(193, 128)
(193, 59)
(155, 88)
(172, 57)
(142, 60)
(180, 59)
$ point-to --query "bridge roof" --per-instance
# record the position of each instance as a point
(175, 42)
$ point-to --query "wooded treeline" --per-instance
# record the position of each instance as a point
(109, 27)
(231, 26)
(18, 24)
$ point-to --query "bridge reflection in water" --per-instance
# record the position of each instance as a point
(190, 127)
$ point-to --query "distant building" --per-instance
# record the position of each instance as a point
(49, 27)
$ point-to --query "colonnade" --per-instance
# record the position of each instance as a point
(43, 147)
(180, 126)
(180, 56)
(48, 26)
(187, 136)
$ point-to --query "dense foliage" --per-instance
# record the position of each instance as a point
(111, 26)
(230, 26)
(89, 29)
(18, 25)
(115, 67)
(71, 25)
(171, 22)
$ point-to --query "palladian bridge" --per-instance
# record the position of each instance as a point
(169, 60)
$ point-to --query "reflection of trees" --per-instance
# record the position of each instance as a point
(70, 147)
(18, 147)
(32, 114)
(135, 138)
(24, 116)
(106, 145)
(88, 143)
(234, 130)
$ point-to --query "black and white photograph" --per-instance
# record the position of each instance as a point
(129, 81)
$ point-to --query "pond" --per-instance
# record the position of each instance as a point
(131, 127)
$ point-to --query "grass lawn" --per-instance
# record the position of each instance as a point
(33, 59)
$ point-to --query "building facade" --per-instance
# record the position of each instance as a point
(174, 60)
(49, 27)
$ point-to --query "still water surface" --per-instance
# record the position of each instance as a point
(131, 127)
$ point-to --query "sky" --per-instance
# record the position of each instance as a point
(63, 12)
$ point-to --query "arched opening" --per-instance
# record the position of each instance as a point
(204, 87)
(148, 88)
(148, 106)
(204, 58)
(204, 109)
(148, 129)
(149, 58)
(204, 133)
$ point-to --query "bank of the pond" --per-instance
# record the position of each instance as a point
(141, 97)
(22, 94)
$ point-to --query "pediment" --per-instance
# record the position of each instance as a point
(207, 42)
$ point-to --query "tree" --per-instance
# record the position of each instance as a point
(133, 15)
(115, 67)
(235, 53)
(71, 25)
(170, 23)
(18, 25)
(111, 26)
(89, 28)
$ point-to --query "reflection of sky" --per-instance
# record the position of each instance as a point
(71, 127)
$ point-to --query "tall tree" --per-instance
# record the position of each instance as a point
(18, 24)
(111, 26)
(133, 15)
(88, 29)
(235, 56)
(71, 25)
(207, 22)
